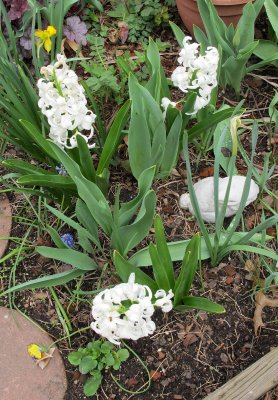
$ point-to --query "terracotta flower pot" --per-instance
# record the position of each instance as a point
(229, 10)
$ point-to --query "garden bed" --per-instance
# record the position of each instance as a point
(192, 353)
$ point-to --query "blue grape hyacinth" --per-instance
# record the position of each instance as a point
(68, 239)
(61, 170)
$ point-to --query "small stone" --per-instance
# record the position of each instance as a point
(224, 358)
(203, 316)
(155, 375)
(20, 377)
(166, 382)
(229, 280)
(161, 355)
(131, 382)
(188, 374)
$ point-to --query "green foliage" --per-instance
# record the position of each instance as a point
(102, 81)
(149, 135)
(272, 12)
(19, 101)
(111, 80)
(218, 242)
(163, 271)
(93, 359)
(97, 48)
(267, 50)
(154, 137)
(23, 125)
(141, 16)
(236, 45)
(126, 226)
(117, 225)
(30, 138)
(219, 248)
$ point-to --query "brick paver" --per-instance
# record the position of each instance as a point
(20, 377)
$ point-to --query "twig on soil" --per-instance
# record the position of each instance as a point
(266, 80)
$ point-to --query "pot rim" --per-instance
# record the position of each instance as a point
(228, 2)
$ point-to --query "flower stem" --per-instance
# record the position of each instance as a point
(148, 383)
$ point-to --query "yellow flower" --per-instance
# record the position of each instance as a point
(44, 37)
(34, 351)
(40, 354)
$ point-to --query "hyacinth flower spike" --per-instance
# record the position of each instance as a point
(63, 102)
(125, 311)
(196, 72)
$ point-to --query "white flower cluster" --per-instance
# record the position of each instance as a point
(63, 102)
(196, 72)
(125, 311)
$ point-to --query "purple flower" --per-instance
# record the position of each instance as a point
(67, 238)
(75, 30)
(61, 170)
(25, 40)
(17, 8)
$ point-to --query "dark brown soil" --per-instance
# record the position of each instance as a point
(194, 353)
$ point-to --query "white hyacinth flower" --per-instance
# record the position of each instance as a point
(196, 72)
(63, 102)
(164, 300)
(204, 191)
(125, 311)
(181, 78)
(165, 103)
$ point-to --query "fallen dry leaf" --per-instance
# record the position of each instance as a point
(123, 31)
(5, 223)
(113, 35)
(40, 295)
(274, 140)
(174, 172)
(268, 396)
(250, 221)
(271, 231)
(73, 45)
(266, 200)
(208, 171)
(254, 273)
(187, 336)
(262, 301)
(229, 269)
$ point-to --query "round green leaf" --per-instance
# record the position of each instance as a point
(87, 364)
